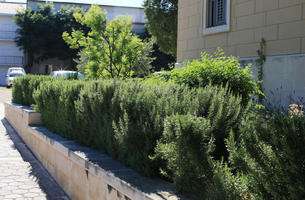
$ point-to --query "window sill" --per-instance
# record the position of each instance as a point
(216, 29)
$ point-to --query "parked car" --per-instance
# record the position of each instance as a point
(11, 75)
(62, 73)
(15, 69)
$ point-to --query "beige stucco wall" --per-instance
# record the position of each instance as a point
(280, 22)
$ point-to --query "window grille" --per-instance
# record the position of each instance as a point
(216, 13)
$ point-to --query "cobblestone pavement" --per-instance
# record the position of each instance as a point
(22, 176)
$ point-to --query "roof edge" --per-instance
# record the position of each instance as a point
(79, 3)
(13, 2)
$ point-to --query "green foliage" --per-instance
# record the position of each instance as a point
(24, 87)
(120, 117)
(260, 62)
(270, 152)
(162, 61)
(162, 16)
(40, 32)
(110, 50)
(188, 145)
(217, 70)
(72, 76)
(55, 100)
(202, 138)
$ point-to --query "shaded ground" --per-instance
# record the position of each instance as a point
(22, 176)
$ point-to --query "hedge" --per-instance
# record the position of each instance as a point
(188, 145)
(24, 86)
(126, 118)
(203, 139)
(271, 154)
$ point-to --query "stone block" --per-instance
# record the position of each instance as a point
(240, 37)
(97, 188)
(266, 5)
(280, 47)
(245, 8)
(195, 44)
(251, 21)
(188, 33)
(292, 30)
(79, 184)
(229, 50)
(266, 32)
(218, 40)
(303, 45)
(247, 50)
(286, 3)
(194, 21)
(183, 23)
(284, 15)
(63, 171)
(189, 11)
(193, 54)
(181, 45)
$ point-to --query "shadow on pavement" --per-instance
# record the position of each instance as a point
(45, 181)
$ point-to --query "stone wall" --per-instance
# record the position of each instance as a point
(284, 81)
(280, 22)
(84, 174)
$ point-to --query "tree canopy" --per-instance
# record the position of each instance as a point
(109, 50)
(162, 16)
(40, 32)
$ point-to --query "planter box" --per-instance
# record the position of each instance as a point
(83, 173)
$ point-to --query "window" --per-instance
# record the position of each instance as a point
(216, 15)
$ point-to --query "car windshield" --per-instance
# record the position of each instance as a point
(15, 74)
(64, 74)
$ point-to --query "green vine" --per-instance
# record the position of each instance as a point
(260, 63)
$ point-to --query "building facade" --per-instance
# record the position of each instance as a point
(10, 54)
(49, 65)
(238, 26)
(137, 13)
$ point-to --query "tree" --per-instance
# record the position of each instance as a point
(110, 50)
(40, 32)
(162, 61)
(162, 16)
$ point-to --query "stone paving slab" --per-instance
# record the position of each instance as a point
(22, 176)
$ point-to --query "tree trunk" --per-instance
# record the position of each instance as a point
(29, 63)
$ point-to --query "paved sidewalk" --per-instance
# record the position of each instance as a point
(22, 176)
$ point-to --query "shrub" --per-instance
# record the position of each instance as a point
(24, 87)
(121, 117)
(188, 146)
(270, 152)
(55, 100)
(217, 70)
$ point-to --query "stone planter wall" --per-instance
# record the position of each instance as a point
(84, 174)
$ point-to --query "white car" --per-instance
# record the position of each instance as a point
(11, 75)
(15, 69)
(66, 73)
